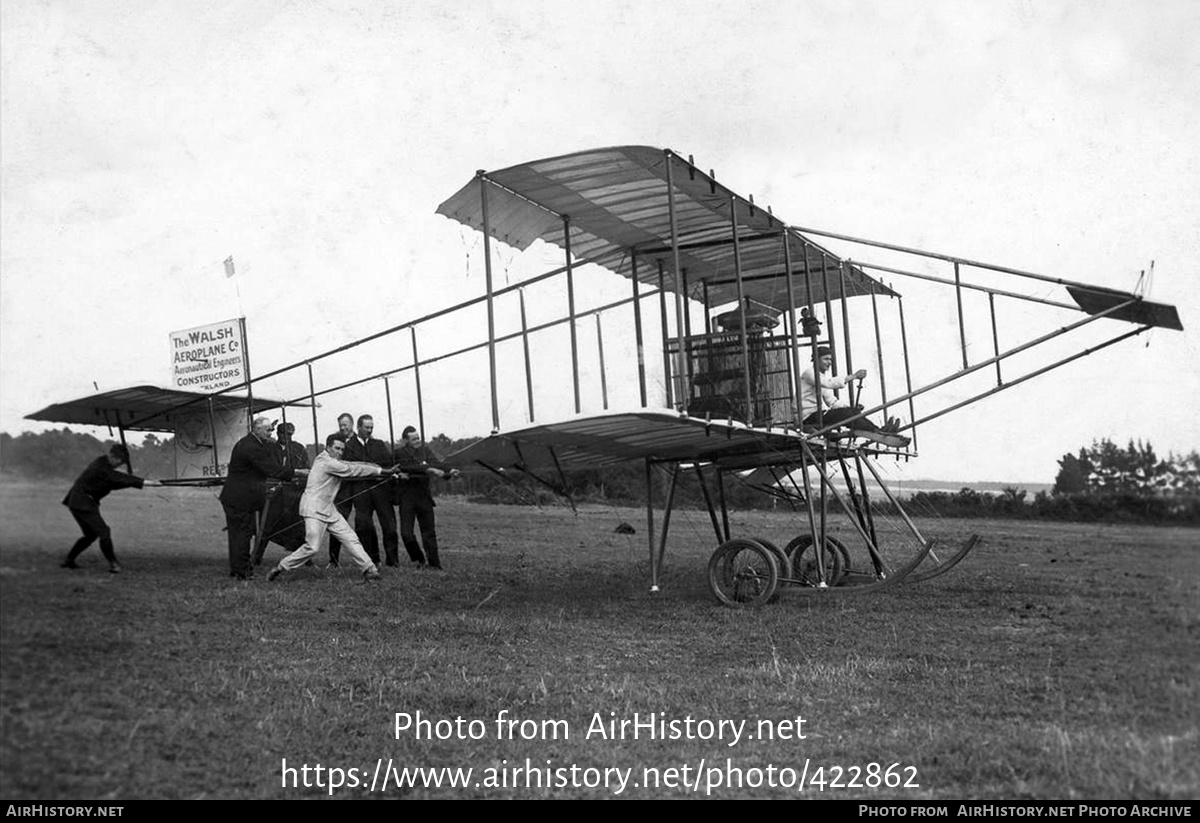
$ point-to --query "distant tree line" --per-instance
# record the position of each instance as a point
(61, 454)
(1105, 468)
(1102, 482)
(1112, 507)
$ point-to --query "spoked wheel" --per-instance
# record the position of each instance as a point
(743, 573)
(781, 559)
(835, 559)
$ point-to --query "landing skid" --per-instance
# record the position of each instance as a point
(946, 565)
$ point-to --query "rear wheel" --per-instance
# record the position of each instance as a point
(781, 559)
(835, 560)
(743, 573)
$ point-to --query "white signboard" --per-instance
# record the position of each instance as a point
(209, 358)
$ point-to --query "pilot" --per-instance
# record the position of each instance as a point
(833, 410)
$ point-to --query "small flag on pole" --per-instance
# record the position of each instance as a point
(229, 266)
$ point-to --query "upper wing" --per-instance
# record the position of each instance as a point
(620, 204)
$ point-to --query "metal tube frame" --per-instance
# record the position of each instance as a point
(972, 286)
(387, 393)
(502, 339)
(416, 366)
(912, 411)
(995, 337)
(637, 329)
(571, 311)
(212, 431)
(525, 349)
(1033, 374)
(708, 503)
(312, 390)
(745, 333)
(892, 499)
(249, 380)
(491, 308)
(985, 363)
(668, 378)
(721, 499)
(827, 484)
(794, 339)
(603, 378)
(962, 327)
(685, 391)
(952, 259)
(650, 523)
(846, 330)
(666, 525)
(812, 520)
(828, 314)
(879, 350)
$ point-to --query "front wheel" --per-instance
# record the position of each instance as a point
(743, 573)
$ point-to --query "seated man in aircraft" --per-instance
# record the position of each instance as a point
(833, 410)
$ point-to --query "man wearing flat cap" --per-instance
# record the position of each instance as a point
(292, 455)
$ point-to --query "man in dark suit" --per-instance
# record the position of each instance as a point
(419, 463)
(98, 479)
(280, 521)
(342, 502)
(292, 455)
(250, 464)
(373, 497)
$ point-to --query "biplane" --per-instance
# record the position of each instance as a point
(731, 399)
(728, 304)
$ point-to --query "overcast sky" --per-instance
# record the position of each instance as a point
(144, 142)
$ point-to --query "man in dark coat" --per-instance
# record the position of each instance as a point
(281, 522)
(250, 464)
(83, 500)
(373, 497)
(418, 462)
(292, 455)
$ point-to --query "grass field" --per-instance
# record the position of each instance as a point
(1059, 661)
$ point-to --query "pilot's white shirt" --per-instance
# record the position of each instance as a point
(829, 400)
